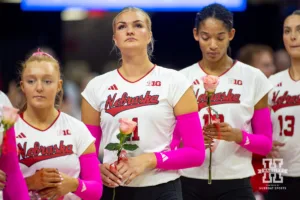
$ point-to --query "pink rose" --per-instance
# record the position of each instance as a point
(127, 126)
(9, 115)
(210, 83)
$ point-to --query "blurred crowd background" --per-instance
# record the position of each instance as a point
(82, 42)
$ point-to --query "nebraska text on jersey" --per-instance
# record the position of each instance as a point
(285, 100)
(39, 153)
(114, 105)
(217, 98)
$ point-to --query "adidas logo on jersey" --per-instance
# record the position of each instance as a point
(113, 87)
(196, 82)
(21, 135)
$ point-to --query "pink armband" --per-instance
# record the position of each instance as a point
(175, 143)
(90, 183)
(97, 133)
(260, 142)
(192, 154)
(15, 187)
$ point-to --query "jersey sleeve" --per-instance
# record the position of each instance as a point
(4, 100)
(263, 86)
(271, 79)
(186, 74)
(83, 138)
(178, 86)
(90, 93)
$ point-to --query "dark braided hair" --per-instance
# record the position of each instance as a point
(216, 11)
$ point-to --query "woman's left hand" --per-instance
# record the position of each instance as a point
(135, 166)
(68, 184)
(2, 179)
(225, 132)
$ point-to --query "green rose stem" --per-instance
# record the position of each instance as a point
(123, 138)
(210, 151)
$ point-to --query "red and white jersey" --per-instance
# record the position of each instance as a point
(239, 90)
(284, 100)
(149, 101)
(59, 146)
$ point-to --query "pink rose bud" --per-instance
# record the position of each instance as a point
(9, 115)
(127, 126)
(210, 83)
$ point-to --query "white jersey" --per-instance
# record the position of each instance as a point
(59, 146)
(4, 100)
(148, 101)
(239, 89)
(285, 102)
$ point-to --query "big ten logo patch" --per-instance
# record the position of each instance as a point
(235, 81)
(64, 132)
(154, 83)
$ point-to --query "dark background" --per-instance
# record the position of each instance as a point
(22, 32)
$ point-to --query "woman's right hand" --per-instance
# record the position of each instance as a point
(110, 175)
(275, 149)
(44, 178)
(2, 179)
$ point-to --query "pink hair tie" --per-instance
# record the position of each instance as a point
(39, 52)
